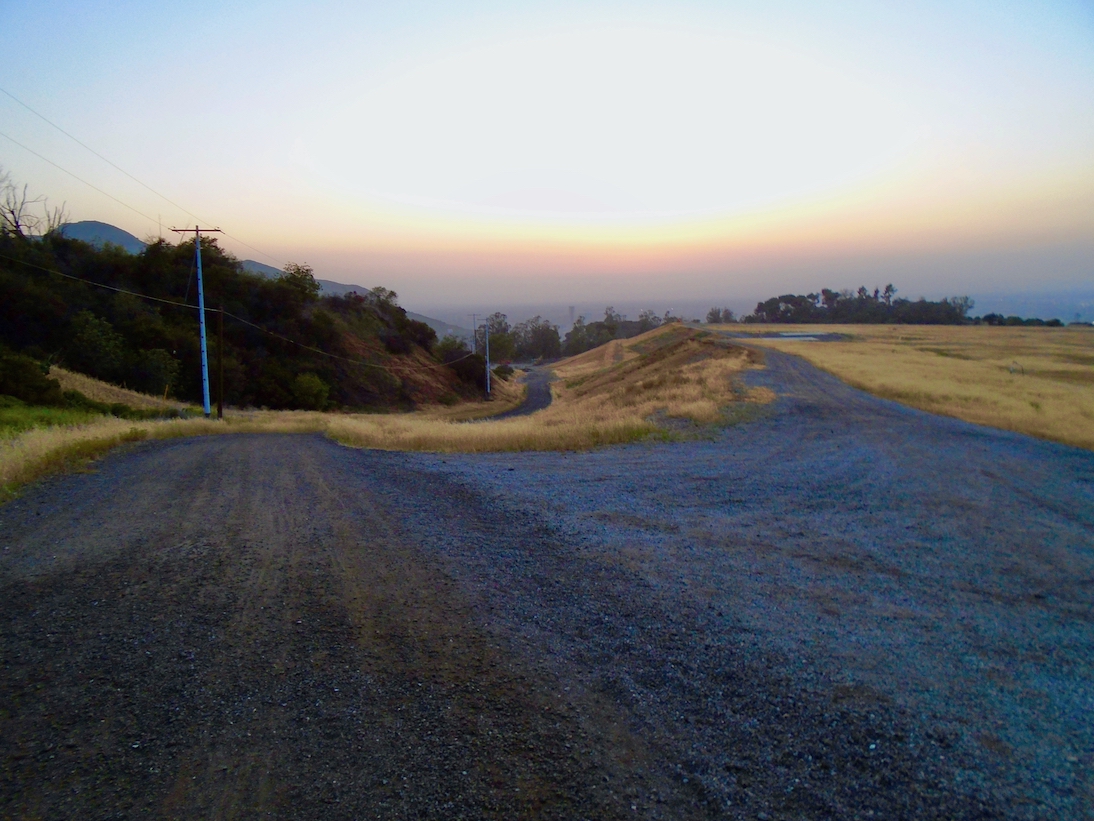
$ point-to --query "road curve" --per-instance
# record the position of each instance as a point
(538, 379)
(843, 608)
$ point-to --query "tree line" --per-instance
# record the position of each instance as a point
(293, 349)
(864, 307)
(861, 307)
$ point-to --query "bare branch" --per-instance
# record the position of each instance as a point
(55, 218)
(15, 213)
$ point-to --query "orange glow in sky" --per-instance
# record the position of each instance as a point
(700, 148)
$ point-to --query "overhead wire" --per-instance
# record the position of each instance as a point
(233, 316)
(114, 165)
(81, 179)
(42, 117)
(157, 221)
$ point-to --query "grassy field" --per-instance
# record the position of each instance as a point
(16, 419)
(1037, 381)
(666, 382)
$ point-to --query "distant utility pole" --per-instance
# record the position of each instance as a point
(201, 313)
(474, 330)
(486, 333)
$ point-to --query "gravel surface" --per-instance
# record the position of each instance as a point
(843, 609)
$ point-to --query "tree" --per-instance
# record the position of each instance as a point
(153, 371)
(501, 343)
(27, 381)
(309, 391)
(17, 207)
(612, 321)
(961, 304)
(648, 320)
(302, 279)
(384, 296)
(97, 349)
(450, 348)
(576, 338)
(536, 338)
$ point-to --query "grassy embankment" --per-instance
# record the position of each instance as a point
(1037, 381)
(625, 391)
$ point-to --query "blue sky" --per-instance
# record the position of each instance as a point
(456, 151)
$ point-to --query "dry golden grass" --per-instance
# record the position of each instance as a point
(506, 394)
(110, 394)
(675, 372)
(627, 391)
(1038, 381)
(619, 393)
(616, 351)
(42, 451)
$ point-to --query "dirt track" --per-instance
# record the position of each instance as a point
(842, 609)
(538, 379)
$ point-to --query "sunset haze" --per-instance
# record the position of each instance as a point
(487, 154)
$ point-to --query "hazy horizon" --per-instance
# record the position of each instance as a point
(485, 154)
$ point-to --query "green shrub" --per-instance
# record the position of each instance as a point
(23, 378)
(97, 349)
(310, 392)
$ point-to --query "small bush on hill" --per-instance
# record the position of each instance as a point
(310, 392)
(26, 380)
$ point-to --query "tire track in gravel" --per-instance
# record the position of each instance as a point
(269, 646)
(737, 731)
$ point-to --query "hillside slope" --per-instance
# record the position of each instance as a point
(286, 345)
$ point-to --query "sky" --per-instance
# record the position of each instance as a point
(476, 154)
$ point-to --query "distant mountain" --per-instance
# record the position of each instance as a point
(331, 288)
(260, 268)
(100, 233)
(443, 329)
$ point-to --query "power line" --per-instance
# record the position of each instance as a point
(98, 284)
(260, 253)
(100, 156)
(149, 218)
(228, 314)
(85, 182)
(123, 171)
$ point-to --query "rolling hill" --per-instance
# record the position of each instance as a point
(100, 234)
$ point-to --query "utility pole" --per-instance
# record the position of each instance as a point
(486, 333)
(220, 362)
(474, 330)
(201, 313)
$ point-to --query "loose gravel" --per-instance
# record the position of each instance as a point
(841, 609)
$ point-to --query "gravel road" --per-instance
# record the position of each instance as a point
(842, 609)
(538, 379)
